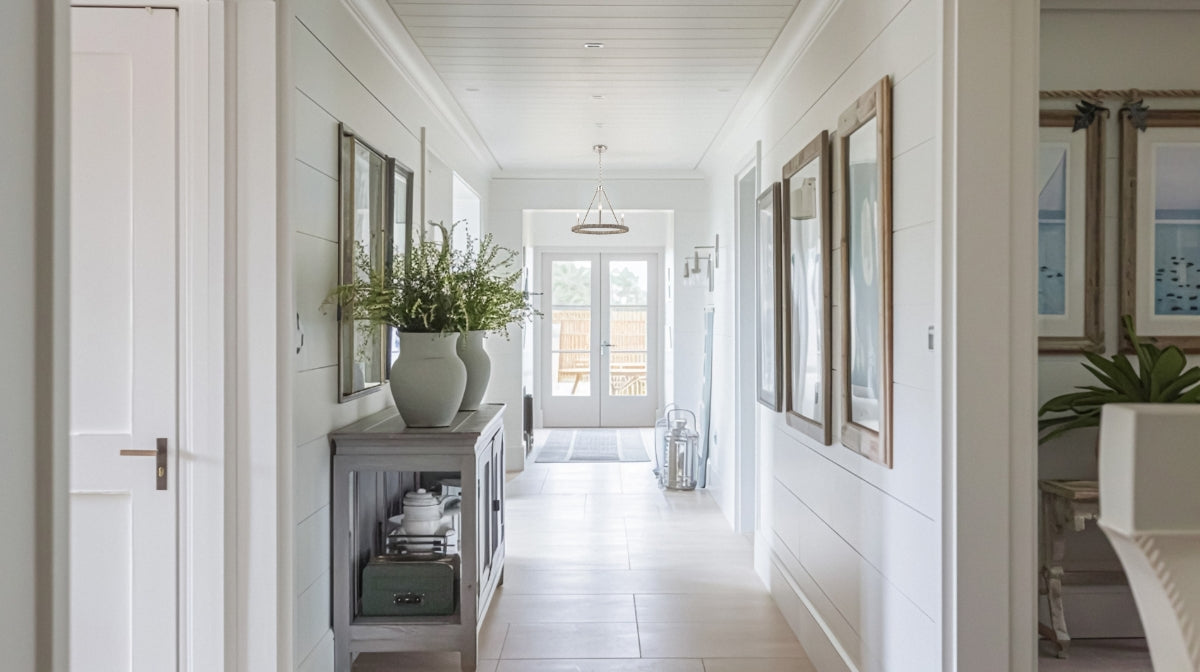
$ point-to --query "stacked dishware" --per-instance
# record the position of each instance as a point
(417, 571)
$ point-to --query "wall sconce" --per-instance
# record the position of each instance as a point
(803, 200)
(693, 274)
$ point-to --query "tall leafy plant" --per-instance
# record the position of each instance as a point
(437, 289)
(1160, 378)
(491, 279)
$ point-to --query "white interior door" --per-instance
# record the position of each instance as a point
(601, 343)
(123, 343)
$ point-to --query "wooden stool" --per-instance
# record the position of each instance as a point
(1066, 504)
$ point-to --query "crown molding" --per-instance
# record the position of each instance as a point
(390, 35)
(805, 23)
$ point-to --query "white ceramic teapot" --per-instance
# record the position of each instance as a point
(422, 512)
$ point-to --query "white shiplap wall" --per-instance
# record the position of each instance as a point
(340, 75)
(851, 548)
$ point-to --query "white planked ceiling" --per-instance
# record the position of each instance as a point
(657, 93)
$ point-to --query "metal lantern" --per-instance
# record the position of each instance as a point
(679, 448)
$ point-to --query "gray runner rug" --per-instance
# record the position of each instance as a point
(593, 445)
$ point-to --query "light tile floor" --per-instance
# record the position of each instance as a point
(607, 573)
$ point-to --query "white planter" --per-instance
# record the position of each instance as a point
(479, 368)
(1150, 510)
(428, 379)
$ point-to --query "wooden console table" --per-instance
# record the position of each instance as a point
(1066, 505)
(374, 460)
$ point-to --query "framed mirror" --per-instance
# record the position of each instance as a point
(1070, 233)
(1160, 225)
(865, 193)
(399, 238)
(807, 272)
(363, 223)
(767, 289)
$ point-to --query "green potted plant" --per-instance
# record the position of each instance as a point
(421, 297)
(1162, 377)
(437, 297)
(490, 278)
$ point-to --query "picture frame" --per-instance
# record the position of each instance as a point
(1070, 233)
(865, 195)
(768, 241)
(808, 276)
(1160, 203)
(363, 200)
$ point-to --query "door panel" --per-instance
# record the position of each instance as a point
(571, 337)
(123, 345)
(601, 340)
(629, 351)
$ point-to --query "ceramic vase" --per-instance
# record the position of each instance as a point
(428, 379)
(479, 368)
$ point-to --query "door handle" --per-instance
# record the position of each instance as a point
(160, 467)
(604, 347)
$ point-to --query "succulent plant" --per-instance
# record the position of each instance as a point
(1162, 377)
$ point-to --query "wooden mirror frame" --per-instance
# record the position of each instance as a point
(1092, 338)
(876, 104)
(1129, 223)
(348, 142)
(769, 198)
(820, 428)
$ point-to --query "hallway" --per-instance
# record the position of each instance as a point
(607, 573)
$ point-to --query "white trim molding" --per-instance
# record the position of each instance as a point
(381, 23)
(988, 246)
(34, 269)
(802, 27)
(202, 344)
(254, 566)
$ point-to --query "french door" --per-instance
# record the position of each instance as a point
(600, 339)
(123, 342)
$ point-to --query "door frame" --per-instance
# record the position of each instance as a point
(539, 344)
(747, 465)
(200, 453)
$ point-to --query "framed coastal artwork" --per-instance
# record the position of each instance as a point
(807, 273)
(1070, 233)
(865, 192)
(767, 289)
(1160, 224)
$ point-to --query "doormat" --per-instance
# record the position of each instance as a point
(593, 445)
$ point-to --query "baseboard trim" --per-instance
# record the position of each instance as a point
(815, 635)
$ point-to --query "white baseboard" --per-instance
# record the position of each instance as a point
(814, 634)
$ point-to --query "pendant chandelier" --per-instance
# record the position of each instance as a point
(600, 202)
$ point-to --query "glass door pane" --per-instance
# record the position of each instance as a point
(571, 328)
(628, 344)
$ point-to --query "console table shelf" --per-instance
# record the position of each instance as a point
(372, 460)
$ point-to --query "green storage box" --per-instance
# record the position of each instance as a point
(392, 587)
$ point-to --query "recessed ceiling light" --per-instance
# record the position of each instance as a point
(723, 90)
(598, 96)
(593, 45)
(599, 125)
(472, 89)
